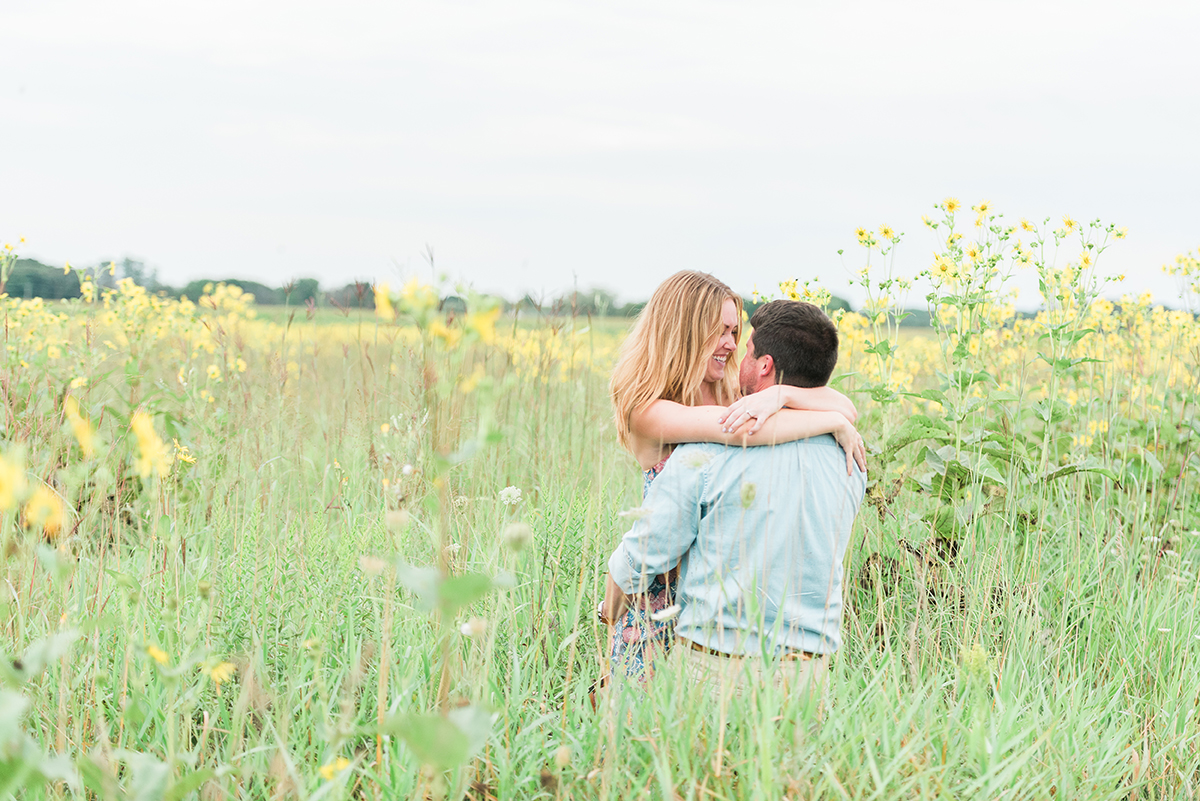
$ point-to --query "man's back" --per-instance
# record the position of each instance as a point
(760, 534)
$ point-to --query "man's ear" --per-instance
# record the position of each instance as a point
(766, 365)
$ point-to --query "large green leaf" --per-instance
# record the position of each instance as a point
(188, 784)
(455, 592)
(44, 651)
(448, 594)
(435, 740)
(443, 742)
(1086, 466)
(914, 429)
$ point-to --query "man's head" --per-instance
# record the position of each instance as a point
(792, 343)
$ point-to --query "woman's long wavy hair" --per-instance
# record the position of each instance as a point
(666, 355)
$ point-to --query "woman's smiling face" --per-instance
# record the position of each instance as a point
(727, 344)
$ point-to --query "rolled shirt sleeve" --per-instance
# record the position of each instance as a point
(666, 525)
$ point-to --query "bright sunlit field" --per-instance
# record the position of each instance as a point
(358, 556)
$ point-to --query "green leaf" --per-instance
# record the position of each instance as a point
(147, 776)
(941, 520)
(44, 651)
(448, 594)
(468, 449)
(435, 740)
(13, 707)
(915, 428)
(458, 591)
(188, 784)
(1078, 335)
(476, 723)
(1156, 467)
(96, 779)
(420, 581)
(1051, 413)
(931, 394)
(882, 394)
(964, 379)
(882, 348)
(1087, 466)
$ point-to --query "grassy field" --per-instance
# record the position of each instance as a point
(248, 558)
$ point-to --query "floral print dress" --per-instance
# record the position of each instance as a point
(637, 637)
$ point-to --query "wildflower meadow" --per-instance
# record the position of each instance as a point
(319, 553)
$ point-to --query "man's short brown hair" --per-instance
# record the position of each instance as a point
(800, 338)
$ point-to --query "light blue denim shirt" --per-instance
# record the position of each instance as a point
(759, 535)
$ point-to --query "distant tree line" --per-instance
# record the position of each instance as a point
(32, 279)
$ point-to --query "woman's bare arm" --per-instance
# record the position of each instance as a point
(764, 403)
(668, 423)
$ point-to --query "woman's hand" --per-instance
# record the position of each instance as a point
(852, 443)
(757, 407)
(614, 604)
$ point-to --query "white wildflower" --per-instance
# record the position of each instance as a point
(510, 496)
(670, 613)
(517, 536)
(371, 565)
(474, 627)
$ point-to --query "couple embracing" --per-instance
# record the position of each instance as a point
(735, 559)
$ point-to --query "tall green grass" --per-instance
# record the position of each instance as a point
(1053, 654)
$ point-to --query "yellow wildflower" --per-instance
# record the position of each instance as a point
(81, 428)
(860, 233)
(886, 231)
(468, 384)
(1085, 260)
(12, 482)
(483, 323)
(450, 336)
(1069, 223)
(157, 654)
(418, 300)
(1121, 232)
(951, 205)
(944, 268)
(153, 454)
(221, 672)
(182, 453)
(333, 768)
(1026, 225)
(45, 510)
(383, 302)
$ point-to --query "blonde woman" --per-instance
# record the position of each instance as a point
(676, 381)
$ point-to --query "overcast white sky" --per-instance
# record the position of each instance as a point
(532, 143)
